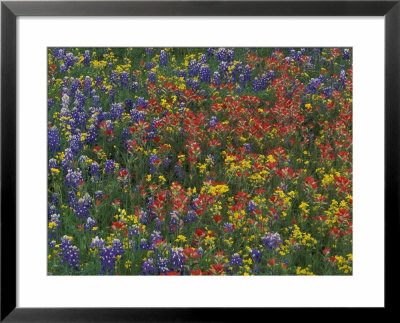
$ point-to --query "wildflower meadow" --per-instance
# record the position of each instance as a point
(199, 161)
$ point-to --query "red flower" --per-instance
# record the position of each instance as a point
(326, 251)
(196, 272)
(218, 218)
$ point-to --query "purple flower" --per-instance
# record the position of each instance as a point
(97, 243)
(213, 122)
(251, 206)
(163, 58)
(108, 256)
(205, 74)
(74, 178)
(109, 167)
(90, 224)
(236, 260)
(148, 267)
(54, 139)
(271, 240)
(152, 77)
(69, 253)
(116, 111)
(255, 254)
(177, 259)
(346, 54)
(124, 79)
(82, 206)
(216, 79)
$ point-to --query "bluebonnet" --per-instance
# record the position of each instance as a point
(116, 111)
(205, 74)
(74, 143)
(177, 259)
(54, 139)
(203, 59)
(191, 216)
(346, 54)
(87, 84)
(144, 244)
(328, 91)
(193, 68)
(342, 76)
(228, 227)
(256, 85)
(242, 80)
(74, 178)
(59, 53)
(63, 68)
(255, 254)
(82, 206)
(223, 69)
(179, 172)
(271, 76)
(137, 116)
(312, 86)
(70, 60)
(251, 206)
(230, 55)
(71, 199)
(94, 169)
(213, 122)
(50, 103)
(97, 243)
(93, 133)
(99, 80)
(162, 265)
(216, 79)
(271, 240)
(148, 267)
(142, 102)
(144, 216)
(95, 100)
(114, 78)
(264, 81)
(149, 66)
(163, 58)
(155, 236)
(221, 54)
(55, 198)
(153, 163)
(210, 51)
(69, 253)
(90, 224)
(55, 218)
(98, 195)
(52, 209)
(195, 85)
(152, 77)
(108, 257)
(236, 260)
(109, 167)
(247, 148)
(133, 230)
(124, 79)
(148, 51)
(247, 73)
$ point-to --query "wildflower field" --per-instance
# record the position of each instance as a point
(199, 161)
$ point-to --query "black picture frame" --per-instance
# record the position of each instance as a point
(10, 10)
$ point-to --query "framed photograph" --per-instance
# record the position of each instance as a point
(186, 160)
